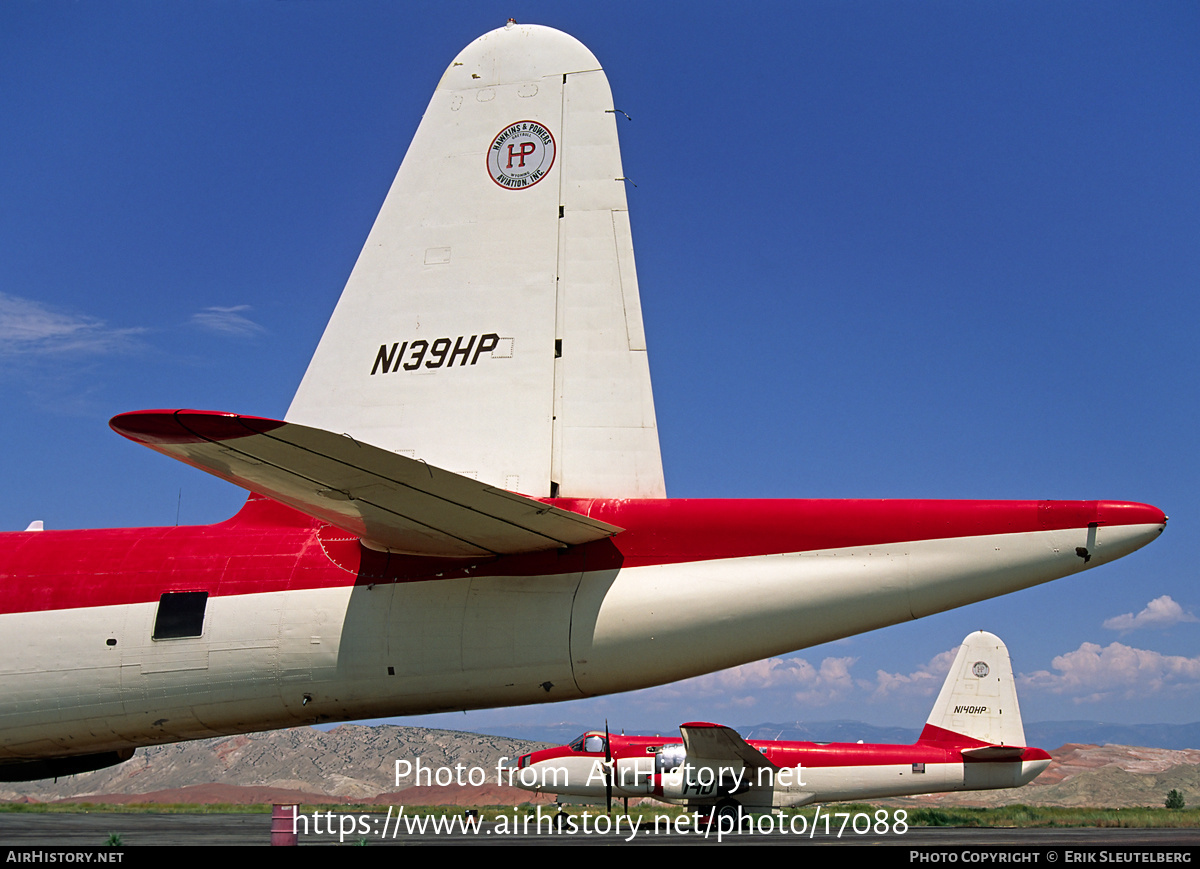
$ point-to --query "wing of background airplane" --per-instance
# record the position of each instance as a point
(720, 745)
(391, 502)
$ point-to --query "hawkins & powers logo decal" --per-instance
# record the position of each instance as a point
(521, 155)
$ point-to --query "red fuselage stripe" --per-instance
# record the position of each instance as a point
(268, 547)
(812, 755)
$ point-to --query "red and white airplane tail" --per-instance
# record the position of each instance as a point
(977, 706)
(492, 324)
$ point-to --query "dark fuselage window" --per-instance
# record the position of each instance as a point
(180, 614)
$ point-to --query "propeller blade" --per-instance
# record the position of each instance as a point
(608, 761)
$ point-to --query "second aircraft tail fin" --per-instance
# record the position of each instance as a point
(978, 700)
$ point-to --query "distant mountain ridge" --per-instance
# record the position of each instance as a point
(359, 764)
(349, 763)
(1178, 737)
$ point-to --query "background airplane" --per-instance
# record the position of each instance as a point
(973, 740)
(174, 99)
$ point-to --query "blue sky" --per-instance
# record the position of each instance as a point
(885, 250)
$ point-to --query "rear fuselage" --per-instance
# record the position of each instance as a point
(292, 621)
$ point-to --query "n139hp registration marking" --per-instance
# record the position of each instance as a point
(441, 352)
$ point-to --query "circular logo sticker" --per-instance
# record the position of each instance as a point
(980, 669)
(521, 155)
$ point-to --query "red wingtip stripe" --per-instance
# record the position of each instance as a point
(188, 426)
(1129, 513)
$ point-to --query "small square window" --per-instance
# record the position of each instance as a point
(180, 614)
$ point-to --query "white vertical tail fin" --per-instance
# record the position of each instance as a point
(979, 697)
(492, 325)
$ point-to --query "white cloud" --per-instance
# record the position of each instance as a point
(1117, 671)
(28, 327)
(742, 686)
(227, 321)
(925, 681)
(797, 682)
(1162, 612)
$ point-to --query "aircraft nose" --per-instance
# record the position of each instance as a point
(513, 772)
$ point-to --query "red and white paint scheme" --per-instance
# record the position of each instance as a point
(972, 741)
(488, 342)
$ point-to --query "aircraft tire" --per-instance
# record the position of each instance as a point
(732, 809)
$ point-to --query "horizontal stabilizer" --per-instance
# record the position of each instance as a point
(720, 745)
(994, 752)
(390, 501)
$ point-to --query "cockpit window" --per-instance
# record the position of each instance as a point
(592, 743)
